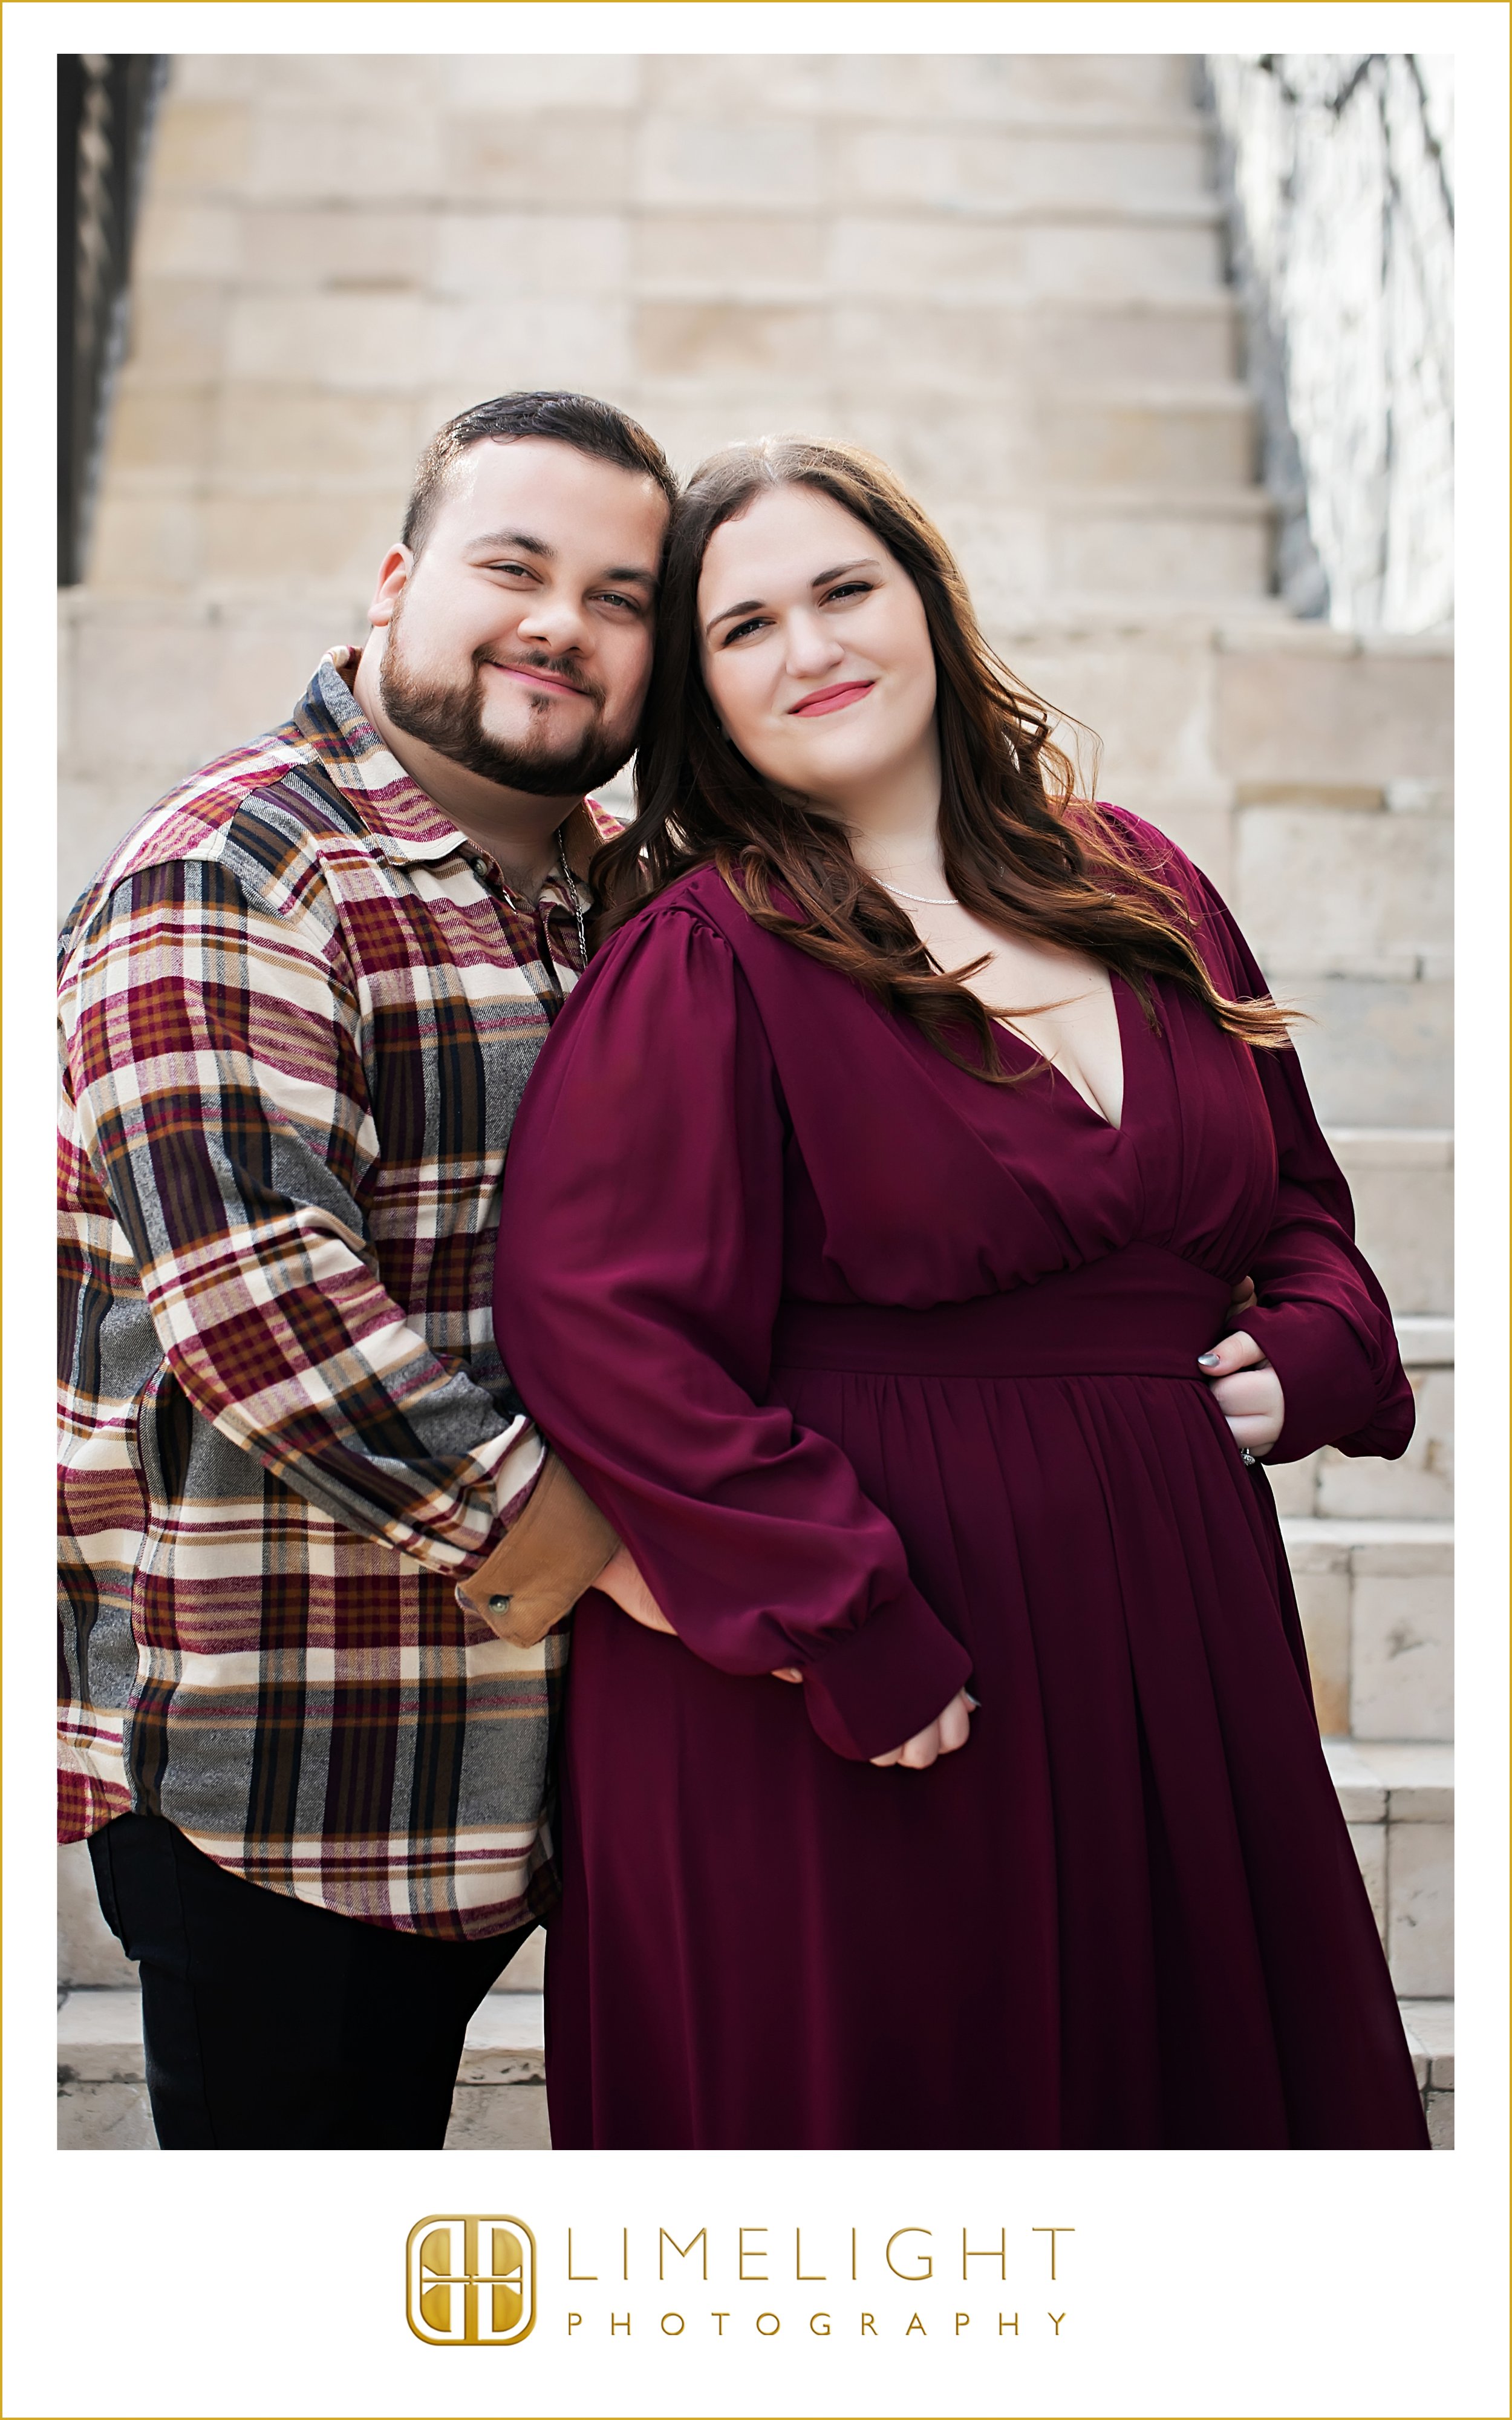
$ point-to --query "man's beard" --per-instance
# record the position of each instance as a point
(450, 719)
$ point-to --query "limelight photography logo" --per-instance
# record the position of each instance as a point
(470, 2280)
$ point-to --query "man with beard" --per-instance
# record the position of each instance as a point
(315, 1554)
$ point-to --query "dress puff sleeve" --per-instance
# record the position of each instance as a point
(639, 1275)
(1320, 1317)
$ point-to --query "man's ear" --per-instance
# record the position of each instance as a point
(394, 574)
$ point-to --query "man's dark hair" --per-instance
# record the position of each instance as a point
(576, 420)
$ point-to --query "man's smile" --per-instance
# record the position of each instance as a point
(534, 677)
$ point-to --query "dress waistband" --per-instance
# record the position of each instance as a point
(1139, 1312)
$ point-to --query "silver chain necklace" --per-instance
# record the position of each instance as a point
(916, 896)
(570, 880)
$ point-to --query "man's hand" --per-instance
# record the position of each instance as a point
(1247, 1392)
(621, 1580)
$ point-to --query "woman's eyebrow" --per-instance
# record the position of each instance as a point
(753, 604)
(862, 563)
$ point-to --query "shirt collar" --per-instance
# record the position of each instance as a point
(406, 824)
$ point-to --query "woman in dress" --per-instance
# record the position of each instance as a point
(872, 1222)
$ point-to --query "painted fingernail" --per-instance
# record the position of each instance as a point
(1205, 1359)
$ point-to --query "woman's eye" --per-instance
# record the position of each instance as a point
(849, 588)
(742, 629)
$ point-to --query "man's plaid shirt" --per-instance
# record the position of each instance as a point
(298, 1009)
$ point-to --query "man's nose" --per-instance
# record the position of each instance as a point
(812, 648)
(554, 621)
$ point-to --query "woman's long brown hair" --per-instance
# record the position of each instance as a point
(1021, 850)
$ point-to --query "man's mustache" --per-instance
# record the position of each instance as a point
(540, 662)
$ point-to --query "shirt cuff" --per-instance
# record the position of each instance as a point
(1326, 1376)
(540, 1567)
(886, 1681)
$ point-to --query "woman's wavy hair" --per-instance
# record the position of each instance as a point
(1022, 850)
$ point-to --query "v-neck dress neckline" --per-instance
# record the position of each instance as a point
(1046, 1067)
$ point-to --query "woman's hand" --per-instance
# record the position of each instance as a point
(950, 1730)
(621, 1580)
(1247, 1392)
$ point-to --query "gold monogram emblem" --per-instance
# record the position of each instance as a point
(470, 2280)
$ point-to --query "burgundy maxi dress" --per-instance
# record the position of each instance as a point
(890, 1373)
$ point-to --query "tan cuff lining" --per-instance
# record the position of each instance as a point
(542, 1565)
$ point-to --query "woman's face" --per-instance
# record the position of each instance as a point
(815, 649)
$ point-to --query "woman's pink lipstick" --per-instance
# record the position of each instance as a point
(829, 701)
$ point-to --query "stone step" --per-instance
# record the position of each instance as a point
(1376, 1598)
(743, 160)
(987, 256)
(1023, 94)
(728, 152)
(1398, 1798)
(1141, 437)
(1426, 1342)
(1332, 1489)
(1183, 547)
(1417, 1487)
(204, 357)
(1402, 1180)
(478, 253)
(1368, 895)
(1141, 91)
(1191, 434)
(1202, 714)
(500, 2100)
(722, 356)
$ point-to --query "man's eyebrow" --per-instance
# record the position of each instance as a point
(515, 542)
(754, 604)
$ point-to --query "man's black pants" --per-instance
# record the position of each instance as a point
(271, 2026)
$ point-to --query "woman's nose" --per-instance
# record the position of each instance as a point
(810, 647)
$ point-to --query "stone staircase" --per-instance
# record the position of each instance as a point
(1006, 276)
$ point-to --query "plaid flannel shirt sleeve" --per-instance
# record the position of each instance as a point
(215, 1061)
